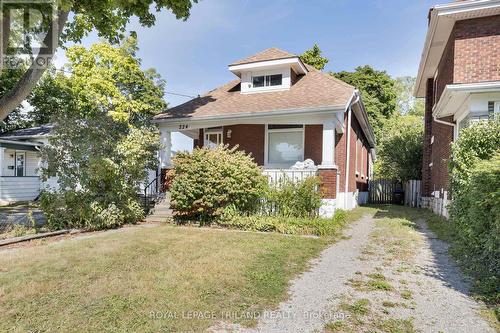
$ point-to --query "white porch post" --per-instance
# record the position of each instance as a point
(166, 149)
(328, 154)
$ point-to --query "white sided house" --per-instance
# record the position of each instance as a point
(293, 119)
(20, 163)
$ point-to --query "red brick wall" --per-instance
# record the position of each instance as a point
(477, 50)
(427, 149)
(440, 155)
(328, 185)
(313, 143)
(360, 183)
(250, 138)
(472, 53)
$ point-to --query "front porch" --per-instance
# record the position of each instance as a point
(276, 144)
(19, 163)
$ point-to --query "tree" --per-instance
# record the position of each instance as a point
(103, 142)
(406, 103)
(313, 57)
(399, 148)
(378, 92)
(108, 18)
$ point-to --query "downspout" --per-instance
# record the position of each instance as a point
(348, 148)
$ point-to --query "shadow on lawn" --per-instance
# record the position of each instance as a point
(441, 266)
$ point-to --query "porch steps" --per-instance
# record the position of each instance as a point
(161, 212)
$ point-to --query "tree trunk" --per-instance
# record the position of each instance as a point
(23, 88)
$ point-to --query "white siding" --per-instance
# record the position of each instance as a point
(19, 188)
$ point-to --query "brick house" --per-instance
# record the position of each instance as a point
(459, 76)
(283, 111)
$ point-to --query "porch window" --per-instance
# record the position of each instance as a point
(212, 137)
(285, 145)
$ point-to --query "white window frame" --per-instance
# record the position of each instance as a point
(287, 130)
(266, 80)
(496, 109)
(218, 132)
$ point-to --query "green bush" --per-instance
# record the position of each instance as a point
(475, 213)
(477, 142)
(208, 180)
(293, 199)
(77, 209)
(285, 225)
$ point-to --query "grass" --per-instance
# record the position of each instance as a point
(163, 278)
(149, 279)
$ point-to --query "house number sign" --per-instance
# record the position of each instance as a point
(183, 127)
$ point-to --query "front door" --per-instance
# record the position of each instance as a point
(20, 164)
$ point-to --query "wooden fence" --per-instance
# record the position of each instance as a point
(390, 191)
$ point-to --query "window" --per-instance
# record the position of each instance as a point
(212, 137)
(285, 144)
(20, 163)
(496, 113)
(267, 80)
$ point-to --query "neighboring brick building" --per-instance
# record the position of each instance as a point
(282, 111)
(459, 76)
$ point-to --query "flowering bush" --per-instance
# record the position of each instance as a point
(206, 181)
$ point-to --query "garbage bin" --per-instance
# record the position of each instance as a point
(398, 197)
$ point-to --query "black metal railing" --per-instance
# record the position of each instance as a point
(150, 195)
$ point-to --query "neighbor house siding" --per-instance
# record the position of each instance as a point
(472, 54)
(19, 188)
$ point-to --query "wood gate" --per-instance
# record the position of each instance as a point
(384, 191)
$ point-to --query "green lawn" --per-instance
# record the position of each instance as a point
(115, 281)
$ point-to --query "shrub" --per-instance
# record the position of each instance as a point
(285, 225)
(475, 213)
(294, 199)
(208, 180)
(78, 209)
(477, 142)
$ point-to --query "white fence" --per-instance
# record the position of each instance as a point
(412, 193)
(276, 176)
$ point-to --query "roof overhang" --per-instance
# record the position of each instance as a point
(455, 95)
(294, 62)
(20, 145)
(442, 18)
(288, 116)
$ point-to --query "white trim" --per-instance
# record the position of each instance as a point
(255, 114)
(236, 69)
(465, 89)
(207, 131)
(282, 130)
(17, 152)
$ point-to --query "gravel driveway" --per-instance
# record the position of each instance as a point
(365, 282)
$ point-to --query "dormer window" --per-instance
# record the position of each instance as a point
(267, 80)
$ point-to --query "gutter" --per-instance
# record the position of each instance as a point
(308, 111)
(22, 143)
(444, 122)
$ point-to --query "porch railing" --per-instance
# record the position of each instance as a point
(277, 176)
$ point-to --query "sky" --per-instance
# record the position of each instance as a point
(192, 56)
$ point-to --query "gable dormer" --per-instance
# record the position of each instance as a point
(270, 70)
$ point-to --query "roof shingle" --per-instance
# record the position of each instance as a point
(268, 54)
(314, 90)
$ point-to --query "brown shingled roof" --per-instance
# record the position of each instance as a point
(314, 90)
(272, 53)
